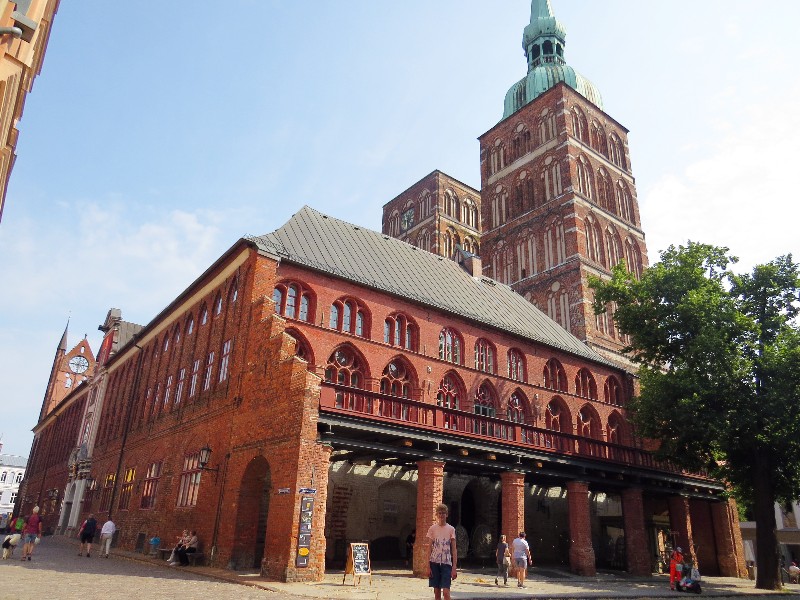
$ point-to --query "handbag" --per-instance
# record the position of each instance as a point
(506, 561)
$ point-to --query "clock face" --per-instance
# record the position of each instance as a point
(407, 219)
(78, 364)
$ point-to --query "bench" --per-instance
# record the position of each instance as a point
(194, 558)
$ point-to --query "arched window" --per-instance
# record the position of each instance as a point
(345, 368)
(611, 391)
(599, 141)
(585, 177)
(176, 338)
(218, 305)
(593, 241)
(624, 201)
(499, 206)
(451, 205)
(555, 377)
(551, 179)
(605, 193)
(589, 428)
(302, 348)
(233, 291)
(558, 305)
(399, 330)
(423, 241)
(617, 431)
(616, 151)
(450, 346)
(190, 325)
(293, 300)
(585, 385)
(555, 249)
(547, 126)
(204, 315)
(557, 417)
(515, 411)
(349, 316)
(470, 213)
(633, 258)
(396, 379)
(424, 204)
(516, 365)
(588, 423)
(449, 395)
(613, 247)
(580, 128)
(484, 356)
(484, 402)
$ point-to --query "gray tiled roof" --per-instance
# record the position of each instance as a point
(11, 460)
(367, 257)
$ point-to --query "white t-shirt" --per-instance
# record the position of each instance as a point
(520, 548)
(440, 536)
(108, 528)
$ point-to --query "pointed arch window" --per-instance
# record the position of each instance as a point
(484, 356)
(484, 403)
(611, 391)
(450, 346)
(585, 385)
(400, 331)
(593, 241)
(584, 177)
(204, 315)
(449, 393)
(293, 300)
(350, 316)
(515, 411)
(554, 376)
(218, 305)
(516, 365)
(396, 380)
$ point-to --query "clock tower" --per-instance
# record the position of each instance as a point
(70, 369)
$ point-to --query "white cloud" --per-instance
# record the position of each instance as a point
(740, 194)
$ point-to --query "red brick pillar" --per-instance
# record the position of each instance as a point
(728, 535)
(681, 523)
(513, 506)
(581, 553)
(637, 556)
(430, 488)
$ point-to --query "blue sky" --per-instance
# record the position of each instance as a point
(157, 135)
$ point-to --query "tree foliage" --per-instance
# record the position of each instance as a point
(719, 357)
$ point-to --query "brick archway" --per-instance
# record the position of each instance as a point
(251, 517)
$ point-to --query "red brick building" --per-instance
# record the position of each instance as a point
(437, 214)
(326, 383)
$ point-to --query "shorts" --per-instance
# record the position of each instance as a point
(86, 538)
(521, 562)
(30, 538)
(441, 575)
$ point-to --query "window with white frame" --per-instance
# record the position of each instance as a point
(189, 484)
(226, 357)
(209, 369)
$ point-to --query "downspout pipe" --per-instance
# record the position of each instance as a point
(13, 31)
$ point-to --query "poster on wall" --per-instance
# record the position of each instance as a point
(304, 537)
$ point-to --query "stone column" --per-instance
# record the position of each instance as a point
(728, 535)
(430, 489)
(681, 523)
(636, 554)
(581, 553)
(513, 506)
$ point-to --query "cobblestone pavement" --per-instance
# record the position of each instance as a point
(58, 573)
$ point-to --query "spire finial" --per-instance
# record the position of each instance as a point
(541, 9)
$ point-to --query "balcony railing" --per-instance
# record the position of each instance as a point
(422, 415)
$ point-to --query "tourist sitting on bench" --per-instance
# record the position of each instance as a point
(190, 547)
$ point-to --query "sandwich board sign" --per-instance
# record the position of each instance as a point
(358, 563)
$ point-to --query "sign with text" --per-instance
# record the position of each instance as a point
(304, 539)
(358, 563)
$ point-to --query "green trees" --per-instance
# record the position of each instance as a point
(719, 357)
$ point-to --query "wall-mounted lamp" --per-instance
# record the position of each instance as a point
(205, 456)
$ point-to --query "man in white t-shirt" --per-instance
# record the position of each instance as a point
(444, 555)
(521, 553)
(106, 535)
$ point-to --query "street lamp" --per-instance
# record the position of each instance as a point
(204, 457)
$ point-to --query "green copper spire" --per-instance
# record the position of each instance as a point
(543, 41)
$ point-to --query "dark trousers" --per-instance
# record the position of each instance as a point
(182, 555)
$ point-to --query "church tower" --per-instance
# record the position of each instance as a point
(69, 370)
(558, 195)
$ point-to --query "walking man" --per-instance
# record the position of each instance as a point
(522, 557)
(86, 534)
(444, 555)
(106, 535)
